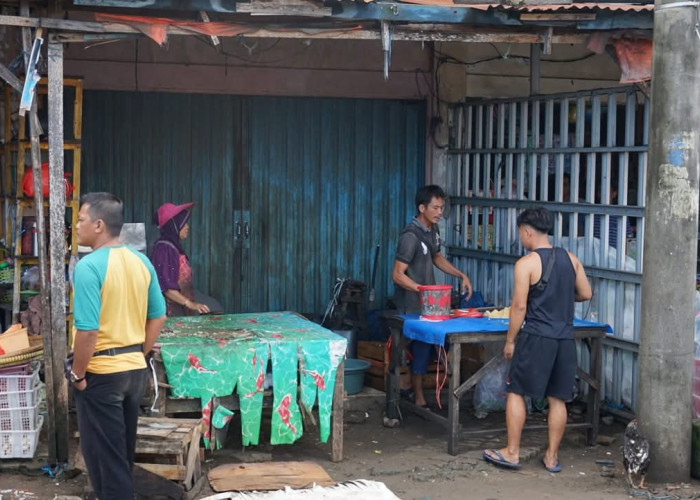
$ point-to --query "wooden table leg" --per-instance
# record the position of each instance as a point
(394, 376)
(337, 424)
(453, 400)
(593, 407)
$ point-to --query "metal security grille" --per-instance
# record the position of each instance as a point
(583, 156)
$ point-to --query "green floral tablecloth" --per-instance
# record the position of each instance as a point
(213, 356)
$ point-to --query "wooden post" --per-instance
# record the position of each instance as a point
(41, 243)
(535, 56)
(596, 372)
(453, 399)
(57, 212)
(338, 409)
(393, 379)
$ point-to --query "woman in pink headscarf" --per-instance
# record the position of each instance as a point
(171, 263)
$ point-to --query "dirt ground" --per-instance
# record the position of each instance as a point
(412, 461)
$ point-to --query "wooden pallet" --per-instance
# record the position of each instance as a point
(169, 447)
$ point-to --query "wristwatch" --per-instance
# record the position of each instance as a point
(74, 378)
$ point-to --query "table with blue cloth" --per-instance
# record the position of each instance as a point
(452, 334)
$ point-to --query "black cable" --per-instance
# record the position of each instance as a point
(259, 52)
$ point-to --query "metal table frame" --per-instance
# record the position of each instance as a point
(591, 337)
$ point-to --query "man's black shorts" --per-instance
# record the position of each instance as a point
(543, 366)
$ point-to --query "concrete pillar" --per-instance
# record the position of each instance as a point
(668, 286)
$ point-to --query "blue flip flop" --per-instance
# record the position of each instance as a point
(500, 460)
(553, 470)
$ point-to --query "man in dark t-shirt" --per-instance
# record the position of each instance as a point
(546, 284)
(416, 254)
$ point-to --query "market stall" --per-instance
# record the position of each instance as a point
(240, 355)
(458, 331)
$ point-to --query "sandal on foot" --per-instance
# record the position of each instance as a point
(499, 460)
(553, 470)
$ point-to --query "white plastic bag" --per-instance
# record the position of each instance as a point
(490, 393)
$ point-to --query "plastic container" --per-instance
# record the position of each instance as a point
(435, 301)
(20, 444)
(19, 399)
(355, 375)
(18, 419)
(24, 369)
(15, 383)
(351, 337)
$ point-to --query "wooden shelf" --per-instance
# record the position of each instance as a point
(29, 202)
(25, 144)
(14, 152)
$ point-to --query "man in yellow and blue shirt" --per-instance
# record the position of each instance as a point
(119, 311)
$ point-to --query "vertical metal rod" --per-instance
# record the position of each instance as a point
(534, 157)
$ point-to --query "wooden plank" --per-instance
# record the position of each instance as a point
(167, 471)
(285, 8)
(337, 415)
(536, 427)
(372, 350)
(54, 433)
(535, 69)
(267, 476)
(474, 379)
(593, 404)
(393, 401)
(11, 79)
(427, 33)
(179, 422)
(426, 413)
(159, 447)
(564, 16)
(587, 378)
(57, 223)
(149, 432)
(191, 468)
(418, 33)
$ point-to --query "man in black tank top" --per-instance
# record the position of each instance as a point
(547, 283)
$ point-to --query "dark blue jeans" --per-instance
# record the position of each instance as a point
(108, 411)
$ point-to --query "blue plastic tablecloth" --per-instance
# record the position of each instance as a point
(435, 332)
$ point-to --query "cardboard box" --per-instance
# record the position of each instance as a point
(15, 339)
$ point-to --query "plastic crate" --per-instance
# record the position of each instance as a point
(18, 419)
(7, 275)
(20, 444)
(18, 399)
(15, 383)
(24, 369)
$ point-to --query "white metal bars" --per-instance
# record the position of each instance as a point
(583, 155)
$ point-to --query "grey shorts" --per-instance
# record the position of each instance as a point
(543, 366)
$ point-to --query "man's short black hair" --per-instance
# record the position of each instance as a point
(107, 207)
(425, 195)
(539, 218)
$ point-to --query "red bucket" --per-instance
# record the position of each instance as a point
(435, 301)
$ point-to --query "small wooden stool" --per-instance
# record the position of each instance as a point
(169, 447)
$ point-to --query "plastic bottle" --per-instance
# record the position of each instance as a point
(35, 239)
